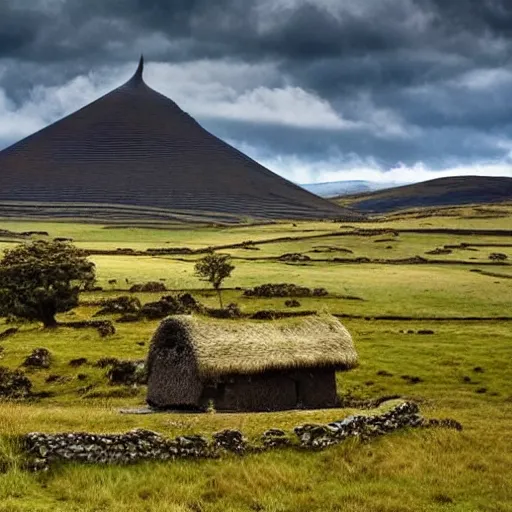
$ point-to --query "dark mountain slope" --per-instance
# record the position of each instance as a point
(135, 147)
(454, 191)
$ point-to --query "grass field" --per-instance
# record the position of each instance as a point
(463, 370)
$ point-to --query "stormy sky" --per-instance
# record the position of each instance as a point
(317, 90)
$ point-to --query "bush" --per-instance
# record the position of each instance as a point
(14, 384)
(292, 303)
(498, 256)
(152, 286)
(129, 318)
(123, 304)
(294, 257)
(104, 362)
(230, 311)
(170, 305)
(284, 290)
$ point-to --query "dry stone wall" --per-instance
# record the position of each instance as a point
(138, 445)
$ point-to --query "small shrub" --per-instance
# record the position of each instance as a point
(411, 380)
(104, 362)
(294, 257)
(76, 363)
(268, 314)
(152, 286)
(129, 318)
(478, 369)
(170, 305)
(292, 303)
(230, 311)
(498, 256)
(106, 329)
(284, 290)
(8, 332)
(123, 304)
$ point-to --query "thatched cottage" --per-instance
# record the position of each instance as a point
(242, 366)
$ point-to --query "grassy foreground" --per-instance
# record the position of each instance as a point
(462, 371)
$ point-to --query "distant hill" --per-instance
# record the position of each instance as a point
(452, 191)
(342, 188)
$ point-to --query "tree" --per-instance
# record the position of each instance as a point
(40, 279)
(214, 268)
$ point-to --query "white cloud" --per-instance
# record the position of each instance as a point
(351, 167)
(484, 79)
(206, 89)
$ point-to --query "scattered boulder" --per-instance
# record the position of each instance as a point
(39, 358)
(275, 438)
(127, 373)
(230, 440)
(14, 384)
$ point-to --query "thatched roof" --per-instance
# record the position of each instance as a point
(226, 348)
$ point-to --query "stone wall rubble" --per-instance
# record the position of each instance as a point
(137, 445)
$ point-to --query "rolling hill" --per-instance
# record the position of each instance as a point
(453, 191)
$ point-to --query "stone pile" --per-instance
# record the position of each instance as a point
(136, 445)
(39, 358)
(141, 444)
(230, 440)
(363, 427)
(275, 438)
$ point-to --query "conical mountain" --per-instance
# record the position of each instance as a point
(135, 154)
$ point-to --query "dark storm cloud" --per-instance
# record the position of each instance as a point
(416, 80)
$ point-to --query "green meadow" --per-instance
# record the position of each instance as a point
(462, 370)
